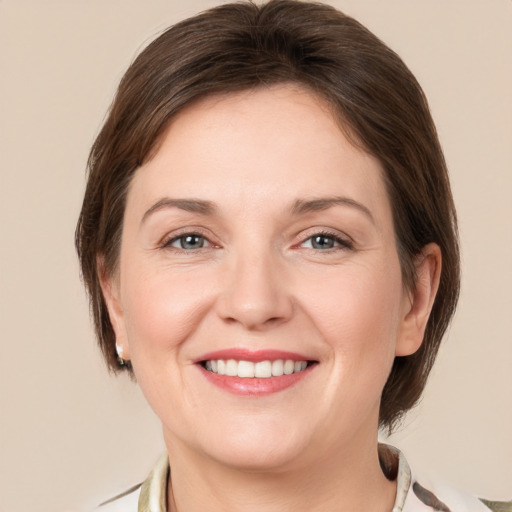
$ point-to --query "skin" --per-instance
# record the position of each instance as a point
(259, 282)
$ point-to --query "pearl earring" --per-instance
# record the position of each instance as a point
(120, 360)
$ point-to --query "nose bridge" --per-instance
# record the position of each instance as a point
(255, 292)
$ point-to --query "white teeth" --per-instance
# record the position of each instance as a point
(231, 368)
(277, 367)
(261, 369)
(288, 367)
(245, 369)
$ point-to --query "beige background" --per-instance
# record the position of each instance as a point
(71, 435)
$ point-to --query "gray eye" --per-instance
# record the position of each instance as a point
(189, 242)
(322, 242)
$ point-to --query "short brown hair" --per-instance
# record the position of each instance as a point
(242, 46)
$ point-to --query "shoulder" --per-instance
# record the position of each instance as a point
(428, 495)
(149, 495)
(498, 506)
(124, 502)
(419, 493)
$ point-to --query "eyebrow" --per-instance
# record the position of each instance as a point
(324, 203)
(189, 205)
(300, 206)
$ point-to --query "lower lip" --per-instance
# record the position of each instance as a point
(254, 386)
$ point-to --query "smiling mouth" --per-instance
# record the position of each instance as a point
(259, 370)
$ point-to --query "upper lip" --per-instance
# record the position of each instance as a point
(244, 354)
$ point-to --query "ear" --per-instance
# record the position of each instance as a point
(110, 287)
(418, 303)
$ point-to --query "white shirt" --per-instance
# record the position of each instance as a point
(411, 496)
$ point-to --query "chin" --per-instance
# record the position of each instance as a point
(259, 456)
(255, 446)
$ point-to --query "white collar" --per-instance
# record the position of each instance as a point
(153, 493)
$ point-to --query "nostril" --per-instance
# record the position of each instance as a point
(273, 320)
(254, 299)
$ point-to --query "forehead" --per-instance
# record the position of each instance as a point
(260, 115)
(250, 145)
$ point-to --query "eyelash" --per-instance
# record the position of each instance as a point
(342, 243)
(167, 243)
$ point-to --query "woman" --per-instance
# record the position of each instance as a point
(269, 241)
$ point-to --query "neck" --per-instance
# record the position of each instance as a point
(350, 480)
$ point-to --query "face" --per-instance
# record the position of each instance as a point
(259, 294)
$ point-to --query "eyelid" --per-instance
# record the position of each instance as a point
(169, 238)
(206, 243)
(345, 242)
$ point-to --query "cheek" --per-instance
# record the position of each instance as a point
(358, 313)
(161, 309)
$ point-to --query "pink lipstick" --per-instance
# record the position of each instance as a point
(262, 372)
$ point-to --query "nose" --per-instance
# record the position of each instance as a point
(255, 292)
